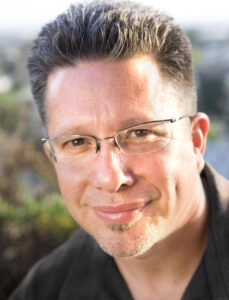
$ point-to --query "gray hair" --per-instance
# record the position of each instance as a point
(114, 30)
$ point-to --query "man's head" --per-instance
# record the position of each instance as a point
(117, 31)
(117, 81)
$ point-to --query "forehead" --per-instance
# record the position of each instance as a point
(110, 92)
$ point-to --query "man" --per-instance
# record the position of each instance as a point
(115, 89)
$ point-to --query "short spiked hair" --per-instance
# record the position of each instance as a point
(113, 30)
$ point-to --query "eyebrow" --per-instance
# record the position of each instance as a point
(70, 131)
(82, 129)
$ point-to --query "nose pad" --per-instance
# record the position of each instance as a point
(116, 145)
(98, 147)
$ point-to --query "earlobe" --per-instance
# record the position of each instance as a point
(199, 128)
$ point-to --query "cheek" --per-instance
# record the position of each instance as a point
(72, 182)
(158, 170)
(181, 176)
(154, 167)
(169, 170)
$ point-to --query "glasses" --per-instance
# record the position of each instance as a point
(145, 137)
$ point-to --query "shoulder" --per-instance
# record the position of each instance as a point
(46, 279)
(217, 191)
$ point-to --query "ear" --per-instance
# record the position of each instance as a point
(199, 130)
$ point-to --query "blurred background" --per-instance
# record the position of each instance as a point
(33, 218)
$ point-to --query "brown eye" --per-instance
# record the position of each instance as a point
(141, 132)
(74, 143)
(77, 142)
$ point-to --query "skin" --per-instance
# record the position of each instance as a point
(99, 98)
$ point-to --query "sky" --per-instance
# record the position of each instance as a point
(26, 16)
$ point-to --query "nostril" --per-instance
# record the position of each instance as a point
(123, 187)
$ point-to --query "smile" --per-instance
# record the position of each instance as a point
(119, 214)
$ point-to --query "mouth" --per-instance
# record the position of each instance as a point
(120, 214)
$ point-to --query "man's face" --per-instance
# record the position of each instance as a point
(128, 202)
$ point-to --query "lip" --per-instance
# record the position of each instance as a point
(119, 214)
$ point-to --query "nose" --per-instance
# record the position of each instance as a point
(110, 173)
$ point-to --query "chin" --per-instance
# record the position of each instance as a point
(125, 251)
(125, 241)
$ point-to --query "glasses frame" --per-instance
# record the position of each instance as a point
(98, 140)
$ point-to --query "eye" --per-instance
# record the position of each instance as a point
(140, 132)
(75, 142)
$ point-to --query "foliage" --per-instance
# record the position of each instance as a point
(33, 217)
(48, 216)
(30, 230)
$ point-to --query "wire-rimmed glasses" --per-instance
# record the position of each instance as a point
(145, 137)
